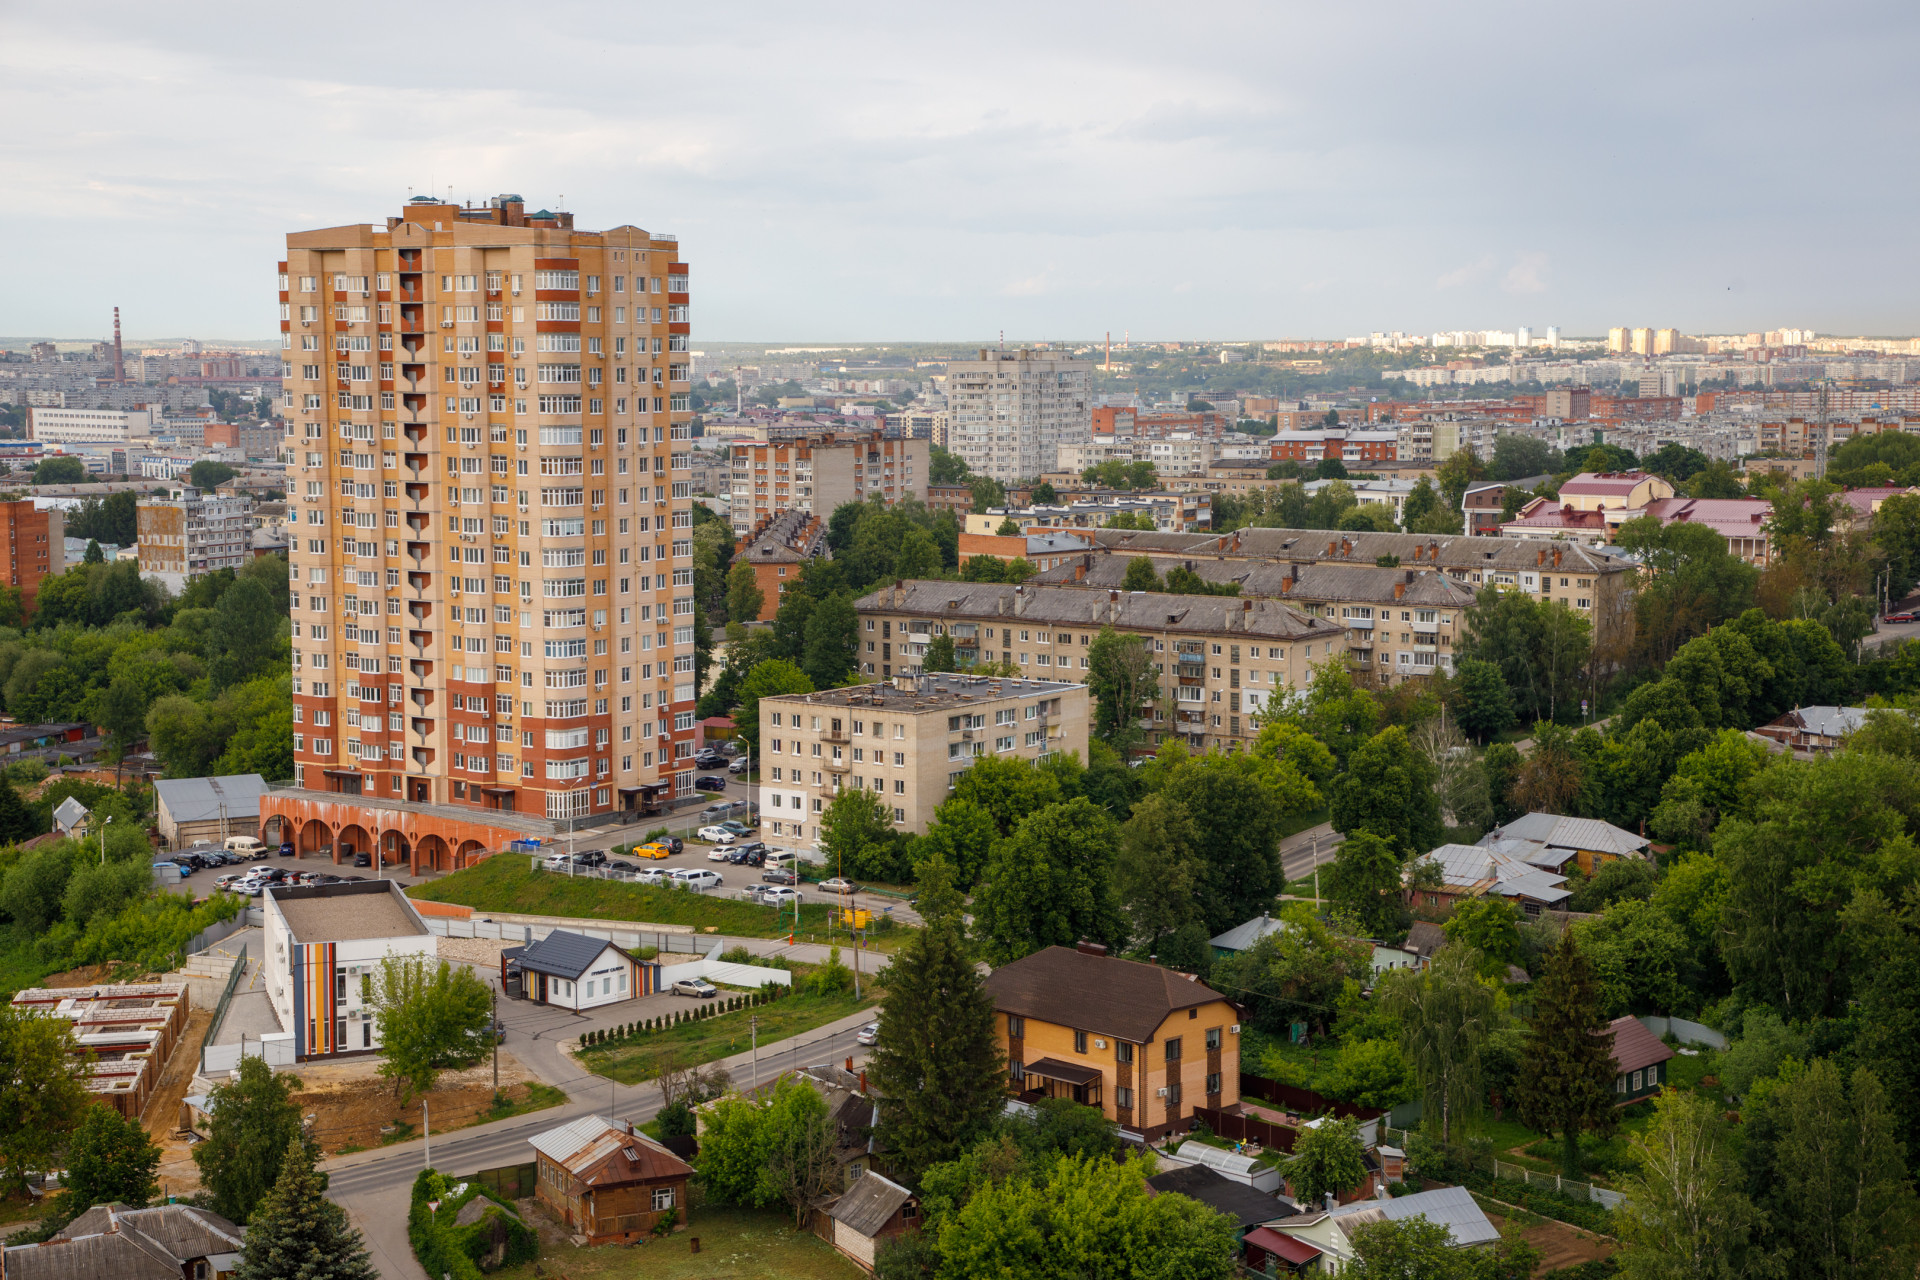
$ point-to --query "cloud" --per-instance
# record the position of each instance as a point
(1524, 275)
(1465, 274)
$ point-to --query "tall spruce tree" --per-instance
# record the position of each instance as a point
(299, 1234)
(255, 1121)
(1566, 1079)
(937, 1066)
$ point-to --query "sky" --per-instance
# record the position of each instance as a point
(1056, 171)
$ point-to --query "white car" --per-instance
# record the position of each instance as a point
(695, 878)
(717, 854)
(716, 835)
(779, 895)
(652, 875)
(868, 1035)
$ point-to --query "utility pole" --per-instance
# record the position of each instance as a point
(753, 1033)
(494, 1031)
(859, 940)
(426, 1132)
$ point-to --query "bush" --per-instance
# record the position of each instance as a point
(444, 1249)
(1541, 1200)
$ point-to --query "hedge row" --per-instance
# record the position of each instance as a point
(1544, 1201)
(622, 1034)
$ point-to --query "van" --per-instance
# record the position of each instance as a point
(244, 844)
(781, 858)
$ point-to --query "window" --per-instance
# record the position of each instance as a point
(1123, 1098)
(1016, 1027)
(1122, 1051)
(1173, 1049)
(1636, 1082)
(1213, 1045)
(662, 1199)
(1079, 1042)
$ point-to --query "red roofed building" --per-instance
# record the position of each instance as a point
(1639, 1061)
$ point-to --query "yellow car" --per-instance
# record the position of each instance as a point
(654, 850)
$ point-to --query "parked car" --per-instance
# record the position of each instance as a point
(652, 875)
(869, 1034)
(719, 835)
(362, 859)
(779, 896)
(720, 853)
(696, 877)
(1899, 617)
(779, 875)
(657, 849)
(590, 858)
(738, 828)
(838, 885)
(247, 845)
(228, 881)
(709, 758)
(673, 843)
(713, 783)
(617, 865)
(696, 988)
(740, 764)
(751, 854)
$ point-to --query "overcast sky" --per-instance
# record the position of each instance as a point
(946, 172)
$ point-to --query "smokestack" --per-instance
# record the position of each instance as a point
(119, 357)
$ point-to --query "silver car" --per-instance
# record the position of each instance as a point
(696, 988)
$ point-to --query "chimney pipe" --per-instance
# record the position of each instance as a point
(1399, 590)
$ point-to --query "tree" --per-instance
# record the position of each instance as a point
(1364, 882)
(936, 1067)
(255, 1124)
(832, 641)
(297, 1233)
(798, 1143)
(1447, 1015)
(1121, 677)
(432, 1016)
(1483, 703)
(43, 1092)
(745, 600)
(93, 554)
(1490, 926)
(1388, 790)
(1009, 528)
(1140, 575)
(939, 655)
(732, 1161)
(1566, 1080)
(1821, 1153)
(962, 834)
(1327, 1158)
(1421, 501)
(1158, 869)
(1460, 469)
(1050, 883)
(60, 471)
(858, 837)
(1685, 1215)
(244, 634)
(1043, 494)
(210, 475)
(109, 1160)
(1084, 1217)
(769, 679)
(1416, 1249)
(945, 467)
(1294, 973)
(1517, 457)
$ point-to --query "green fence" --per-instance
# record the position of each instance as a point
(506, 1183)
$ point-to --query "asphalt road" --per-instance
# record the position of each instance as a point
(1302, 852)
(373, 1186)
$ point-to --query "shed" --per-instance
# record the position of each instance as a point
(872, 1208)
(1244, 935)
(1245, 1205)
(1639, 1061)
(574, 971)
(193, 810)
(1232, 1166)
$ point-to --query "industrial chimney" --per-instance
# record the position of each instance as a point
(119, 358)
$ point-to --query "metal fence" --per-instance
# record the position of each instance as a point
(1507, 1170)
(226, 996)
(663, 938)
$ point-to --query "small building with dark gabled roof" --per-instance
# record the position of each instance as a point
(872, 1209)
(1639, 1061)
(1142, 1044)
(574, 971)
(164, 1242)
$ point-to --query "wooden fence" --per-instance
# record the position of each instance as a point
(1278, 1137)
(506, 1183)
(1304, 1101)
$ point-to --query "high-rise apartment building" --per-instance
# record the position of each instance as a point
(819, 471)
(488, 455)
(1010, 411)
(187, 534)
(33, 544)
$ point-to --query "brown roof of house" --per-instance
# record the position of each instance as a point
(1425, 938)
(1635, 1047)
(1121, 998)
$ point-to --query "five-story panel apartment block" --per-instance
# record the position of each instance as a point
(488, 459)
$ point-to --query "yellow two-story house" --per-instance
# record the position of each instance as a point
(1143, 1044)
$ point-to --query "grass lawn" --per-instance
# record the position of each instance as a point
(508, 883)
(734, 1243)
(708, 1039)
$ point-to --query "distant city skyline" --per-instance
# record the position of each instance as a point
(1282, 171)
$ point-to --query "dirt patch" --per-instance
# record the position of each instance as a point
(87, 975)
(352, 1106)
(178, 1174)
(482, 953)
(1560, 1244)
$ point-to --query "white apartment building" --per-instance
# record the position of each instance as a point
(188, 534)
(1010, 411)
(72, 426)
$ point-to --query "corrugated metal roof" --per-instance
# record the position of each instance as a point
(869, 1203)
(561, 1144)
(1452, 1207)
(201, 799)
(1242, 936)
(1563, 832)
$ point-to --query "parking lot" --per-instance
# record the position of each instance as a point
(200, 883)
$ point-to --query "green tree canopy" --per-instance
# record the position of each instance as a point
(255, 1124)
